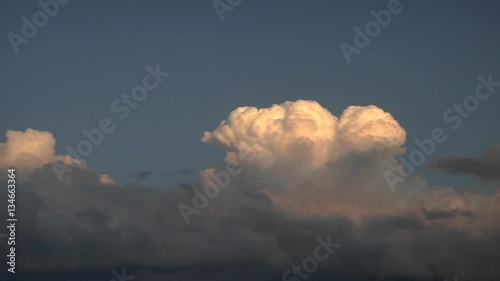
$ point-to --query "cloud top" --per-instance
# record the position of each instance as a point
(304, 130)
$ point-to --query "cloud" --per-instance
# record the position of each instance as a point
(305, 154)
(140, 175)
(313, 175)
(27, 150)
(106, 180)
(486, 167)
(32, 149)
(308, 127)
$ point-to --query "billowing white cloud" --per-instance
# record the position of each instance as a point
(31, 149)
(310, 162)
(371, 128)
(296, 141)
(27, 150)
(305, 132)
(273, 132)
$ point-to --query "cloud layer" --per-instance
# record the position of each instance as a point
(313, 175)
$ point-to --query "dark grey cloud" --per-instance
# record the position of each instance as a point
(82, 228)
(486, 167)
(140, 175)
(440, 214)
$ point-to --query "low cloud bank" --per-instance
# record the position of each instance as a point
(314, 175)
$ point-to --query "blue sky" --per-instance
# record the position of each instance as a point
(304, 184)
(264, 52)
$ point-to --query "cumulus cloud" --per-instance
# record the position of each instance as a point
(305, 128)
(304, 153)
(311, 175)
(370, 128)
(31, 149)
(27, 150)
(310, 163)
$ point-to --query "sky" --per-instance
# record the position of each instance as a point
(345, 122)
